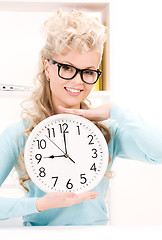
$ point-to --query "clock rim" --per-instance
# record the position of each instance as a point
(65, 117)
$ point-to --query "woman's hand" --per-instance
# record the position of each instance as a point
(62, 199)
(95, 114)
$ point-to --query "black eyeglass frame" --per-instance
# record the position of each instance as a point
(59, 65)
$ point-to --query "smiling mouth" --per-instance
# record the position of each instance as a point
(72, 90)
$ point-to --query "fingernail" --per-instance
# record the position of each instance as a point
(92, 197)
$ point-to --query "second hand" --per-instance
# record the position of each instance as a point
(65, 155)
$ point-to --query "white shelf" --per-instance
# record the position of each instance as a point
(14, 93)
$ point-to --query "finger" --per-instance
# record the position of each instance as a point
(66, 110)
(87, 195)
(93, 195)
(71, 110)
(73, 198)
(79, 112)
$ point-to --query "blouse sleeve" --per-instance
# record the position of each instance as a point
(135, 138)
(10, 143)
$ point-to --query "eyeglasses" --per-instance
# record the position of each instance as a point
(68, 72)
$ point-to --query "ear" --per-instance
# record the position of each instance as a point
(46, 68)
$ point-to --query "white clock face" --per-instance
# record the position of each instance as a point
(66, 153)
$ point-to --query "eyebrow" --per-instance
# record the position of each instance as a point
(76, 67)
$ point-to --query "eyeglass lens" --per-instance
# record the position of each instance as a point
(68, 72)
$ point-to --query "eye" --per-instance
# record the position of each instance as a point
(67, 68)
(89, 72)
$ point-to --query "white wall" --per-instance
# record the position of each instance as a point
(136, 82)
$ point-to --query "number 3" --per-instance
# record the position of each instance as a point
(94, 152)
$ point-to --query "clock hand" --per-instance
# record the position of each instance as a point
(65, 142)
(55, 145)
(65, 154)
(66, 148)
(70, 158)
(52, 156)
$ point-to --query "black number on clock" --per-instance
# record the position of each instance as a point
(93, 167)
(41, 144)
(94, 153)
(91, 139)
(56, 178)
(63, 128)
(51, 132)
(42, 172)
(82, 176)
(78, 130)
(38, 157)
(69, 185)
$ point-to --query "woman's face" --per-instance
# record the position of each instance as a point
(63, 90)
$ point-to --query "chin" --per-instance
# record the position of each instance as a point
(71, 105)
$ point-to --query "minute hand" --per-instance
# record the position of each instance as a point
(65, 154)
(65, 142)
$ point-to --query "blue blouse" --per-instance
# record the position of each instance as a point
(131, 137)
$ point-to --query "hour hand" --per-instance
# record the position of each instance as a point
(52, 156)
(65, 154)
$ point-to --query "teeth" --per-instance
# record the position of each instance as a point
(73, 90)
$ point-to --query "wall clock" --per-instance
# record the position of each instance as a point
(67, 153)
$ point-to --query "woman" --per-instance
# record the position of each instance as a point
(69, 64)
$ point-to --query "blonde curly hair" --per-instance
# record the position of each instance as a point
(75, 30)
(63, 31)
